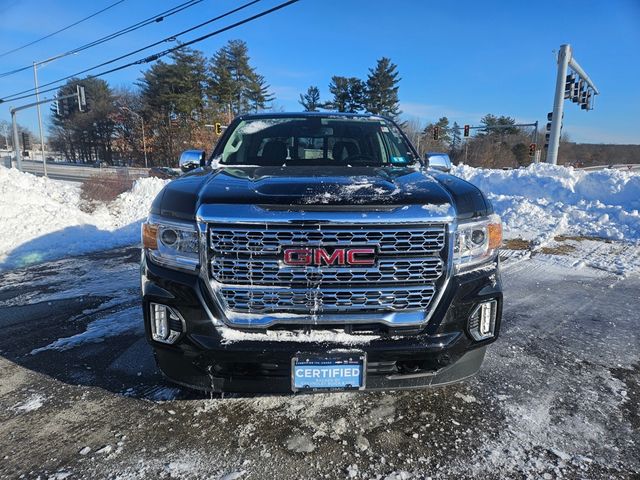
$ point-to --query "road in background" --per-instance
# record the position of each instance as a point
(557, 397)
(77, 173)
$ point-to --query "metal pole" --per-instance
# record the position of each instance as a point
(558, 104)
(35, 81)
(16, 141)
(144, 144)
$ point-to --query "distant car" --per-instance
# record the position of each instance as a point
(163, 172)
(100, 164)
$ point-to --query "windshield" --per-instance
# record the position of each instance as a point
(331, 141)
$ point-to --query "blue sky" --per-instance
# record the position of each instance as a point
(459, 59)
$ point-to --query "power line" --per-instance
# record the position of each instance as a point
(61, 30)
(154, 19)
(27, 93)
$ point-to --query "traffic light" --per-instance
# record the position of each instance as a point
(568, 86)
(63, 107)
(532, 149)
(577, 88)
(436, 132)
(587, 100)
(466, 130)
(218, 128)
(82, 100)
(26, 141)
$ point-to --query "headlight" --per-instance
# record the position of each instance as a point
(477, 241)
(171, 243)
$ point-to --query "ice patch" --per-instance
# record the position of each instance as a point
(119, 323)
(34, 402)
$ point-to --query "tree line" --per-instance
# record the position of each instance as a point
(176, 102)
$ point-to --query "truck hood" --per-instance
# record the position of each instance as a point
(330, 186)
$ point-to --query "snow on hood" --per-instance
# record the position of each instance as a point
(41, 218)
(541, 201)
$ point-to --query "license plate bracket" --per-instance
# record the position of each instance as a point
(329, 372)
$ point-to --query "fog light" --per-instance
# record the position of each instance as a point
(166, 324)
(482, 322)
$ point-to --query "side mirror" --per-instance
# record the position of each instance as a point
(438, 161)
(191, 159)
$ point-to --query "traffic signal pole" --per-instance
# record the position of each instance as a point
(13, 111)
(558, 104)
(565, 61)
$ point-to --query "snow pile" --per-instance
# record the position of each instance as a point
(542, 201)
(41, 218)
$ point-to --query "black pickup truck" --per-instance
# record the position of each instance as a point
(319, 252)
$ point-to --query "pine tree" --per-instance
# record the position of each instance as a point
(455, 137)
(444, 132)
(234, 82)
(310, 101)
(356, 99)
(503, 122)
(177, 87)
(258, 94)
(339, 88)
(382, 89)
(348, 94)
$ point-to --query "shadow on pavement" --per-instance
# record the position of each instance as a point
(78, 321)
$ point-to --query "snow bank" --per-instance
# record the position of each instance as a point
(541, 201)
(40, 218)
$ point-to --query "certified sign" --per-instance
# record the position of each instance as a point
(328, 373)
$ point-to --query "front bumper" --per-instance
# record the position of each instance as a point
(440, 352)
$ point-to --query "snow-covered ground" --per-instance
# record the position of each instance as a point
(41, 219)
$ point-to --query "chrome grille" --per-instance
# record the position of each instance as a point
(270, 272)
(328, 300)
(264, 239)
(247, 269)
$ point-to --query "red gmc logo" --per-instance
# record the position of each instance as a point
(319, 256)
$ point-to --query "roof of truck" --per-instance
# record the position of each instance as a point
(310, 114)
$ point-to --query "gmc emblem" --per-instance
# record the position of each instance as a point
(318, 256)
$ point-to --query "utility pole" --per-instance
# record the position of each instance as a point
(16, 141)
(35, 81)
(565, 90)
(144, 140)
